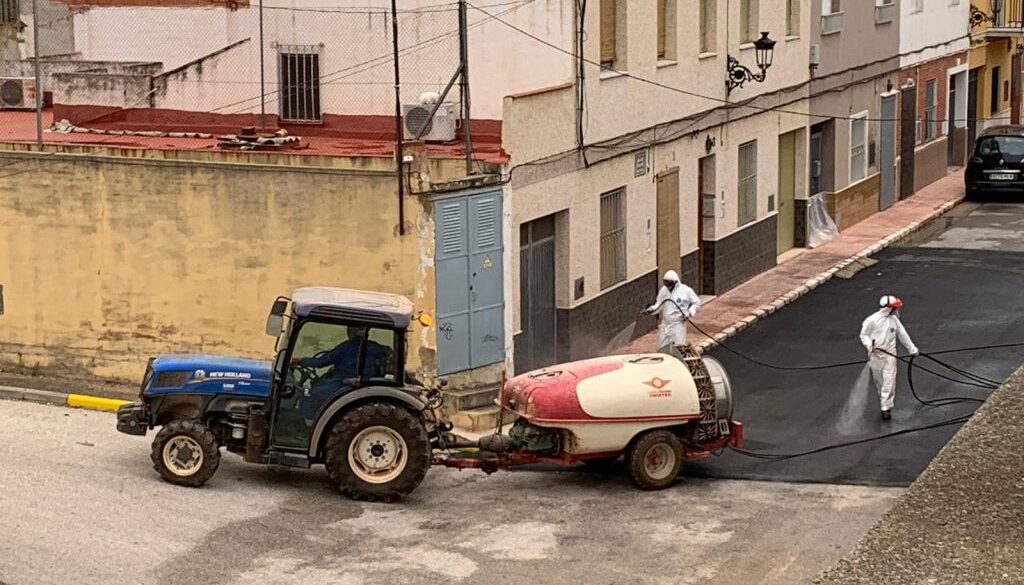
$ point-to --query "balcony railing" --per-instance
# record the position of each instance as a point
(1011, 16)
(1009, 21)
(831, 23)
(885, 13)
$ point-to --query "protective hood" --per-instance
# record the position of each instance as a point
(671, 276)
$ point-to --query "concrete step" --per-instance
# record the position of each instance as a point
(476, 420)
(463, 399)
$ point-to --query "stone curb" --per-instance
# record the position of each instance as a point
(60, 399)
(825, 276)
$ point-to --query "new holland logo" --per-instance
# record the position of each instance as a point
(660, 389)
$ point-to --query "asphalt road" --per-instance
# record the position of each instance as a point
(962, 287)
(80, 503)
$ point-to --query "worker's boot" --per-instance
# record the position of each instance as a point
(886, 415)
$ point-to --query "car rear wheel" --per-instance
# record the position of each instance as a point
(185, 452)
(377, 452)
(654, 459)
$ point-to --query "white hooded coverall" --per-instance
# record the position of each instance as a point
(672, 327)
(879, 334)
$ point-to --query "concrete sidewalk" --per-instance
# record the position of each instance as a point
(730, 313)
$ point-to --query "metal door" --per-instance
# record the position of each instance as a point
(468, 272)
(814, 167)
(537, 295)
(669, 251)
(787, 193)
(951, 122)
(887, 152)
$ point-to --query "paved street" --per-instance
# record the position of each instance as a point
(961, 287)
(81, 504)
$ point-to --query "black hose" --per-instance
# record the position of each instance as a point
(971, 379)
(784, 456)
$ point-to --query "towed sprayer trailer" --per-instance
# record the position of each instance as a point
(337, 394)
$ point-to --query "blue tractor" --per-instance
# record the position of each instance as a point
(336, 393)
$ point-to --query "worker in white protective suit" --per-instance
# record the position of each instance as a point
(879, 334)
(675, 304)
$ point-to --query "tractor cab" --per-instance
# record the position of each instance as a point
(330, 342)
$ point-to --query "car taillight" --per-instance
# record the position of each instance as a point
(975, 160)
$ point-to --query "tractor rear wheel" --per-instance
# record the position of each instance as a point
(377, 452)
(653, 460)
(185, 452)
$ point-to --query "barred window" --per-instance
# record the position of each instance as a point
(708, 13)
(747, 188)
(858, 147)
(613, 237)
(793, 18)
(8, 11)
(299, 78)
(931, 106)
(748, 20)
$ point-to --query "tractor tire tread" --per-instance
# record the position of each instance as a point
(360, 417)
(202, 435)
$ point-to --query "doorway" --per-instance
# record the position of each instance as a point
(787, 192)
(951, 122)
(706, 224)
(972, 107)
(816, 183)
(537, 294)
(887, 152)
(669, 253)
(470, 284)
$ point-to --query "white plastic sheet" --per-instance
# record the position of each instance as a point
(820, 227)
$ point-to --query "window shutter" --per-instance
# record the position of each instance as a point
(607, 32)
(661, 28)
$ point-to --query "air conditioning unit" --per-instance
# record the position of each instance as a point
(815, 55)
(17, 93)
(441, 128)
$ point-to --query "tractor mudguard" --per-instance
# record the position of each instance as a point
(386, 393)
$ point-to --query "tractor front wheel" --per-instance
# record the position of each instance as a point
(377, 452)
(185, 452)
(653, 460)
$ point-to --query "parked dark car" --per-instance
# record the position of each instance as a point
(996, 166)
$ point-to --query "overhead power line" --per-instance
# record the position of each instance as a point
(722, 101)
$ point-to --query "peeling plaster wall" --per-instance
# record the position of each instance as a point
(106, 261)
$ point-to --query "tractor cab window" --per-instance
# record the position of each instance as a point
(328, 359)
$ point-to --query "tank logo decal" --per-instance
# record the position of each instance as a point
(659, 385)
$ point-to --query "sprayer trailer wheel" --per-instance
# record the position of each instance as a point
(654, 459)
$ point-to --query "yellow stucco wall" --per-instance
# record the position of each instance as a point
(106, 261)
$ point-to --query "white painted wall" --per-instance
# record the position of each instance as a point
(940, 23)
(356, 64)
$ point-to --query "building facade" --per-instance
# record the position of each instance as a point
(994, 79)
(934, 77)
(646, 162)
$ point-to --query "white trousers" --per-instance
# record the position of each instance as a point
(883, 372)
(671, 333)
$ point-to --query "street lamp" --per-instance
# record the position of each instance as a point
(979, 17)
(737, 75)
